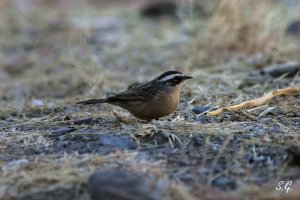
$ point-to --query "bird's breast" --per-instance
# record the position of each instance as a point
(162, 104)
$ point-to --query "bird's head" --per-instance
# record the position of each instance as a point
(173, 78)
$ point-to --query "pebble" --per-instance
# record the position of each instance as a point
(200, 109)
(290, 68)
(120, 184)
(109, 142)
(156, 9)
(293, 28)
(87, 120)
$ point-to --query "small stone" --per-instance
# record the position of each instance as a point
(119, 142)
(200, 109)
(290, 68)
(293, 28)
(156, 9)
(87, 120)
(120, 184)
(67, 118)
(37, 102)
(293, 152)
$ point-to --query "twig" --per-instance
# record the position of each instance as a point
(258, 101)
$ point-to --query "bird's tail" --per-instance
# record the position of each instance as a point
(93, 101)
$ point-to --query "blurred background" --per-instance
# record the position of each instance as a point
(64, 48)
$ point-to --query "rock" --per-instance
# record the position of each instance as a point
(293, 28)
(87, 120)
(37, 102)
(290, 68)
(67, 118)
(110, 142)
(120, 184)
(293, 152)
(200, 109)
(156, 9)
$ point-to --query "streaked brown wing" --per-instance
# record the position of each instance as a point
(141, 92)
(129, 95)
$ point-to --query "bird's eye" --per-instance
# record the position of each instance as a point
(177, 78)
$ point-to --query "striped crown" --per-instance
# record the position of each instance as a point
(169, 75)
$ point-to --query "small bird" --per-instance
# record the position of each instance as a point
(150, 100)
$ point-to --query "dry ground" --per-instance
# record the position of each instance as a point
(54, 55)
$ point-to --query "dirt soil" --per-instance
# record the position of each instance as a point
(52, 56)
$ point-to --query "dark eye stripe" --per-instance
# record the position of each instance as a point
(178, 78)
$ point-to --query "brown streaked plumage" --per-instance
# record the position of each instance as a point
(151, 100)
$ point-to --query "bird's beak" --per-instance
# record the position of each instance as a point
(187, 77)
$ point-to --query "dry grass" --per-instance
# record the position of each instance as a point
(249, 28)
(52, 57)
